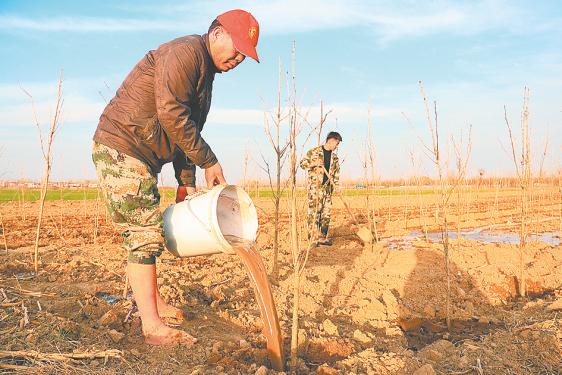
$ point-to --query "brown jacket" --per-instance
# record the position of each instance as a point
(158, 112)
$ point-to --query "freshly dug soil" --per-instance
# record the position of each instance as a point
(378, 309)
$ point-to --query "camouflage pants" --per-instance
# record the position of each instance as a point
(318, 217)
(132, 198)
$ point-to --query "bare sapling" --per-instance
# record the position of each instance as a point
(461, 161)
(4, 239)
(280, 153)
(372, 182)
(543, 157)
(365, 164)
(459, 214)
(46, 148)
(22, 197)
(246, 161)
(417, 181)
(299, 257)
(523, 171)
(293, 204)
(560, 200)
(61, 211)
(323, 117)
(85, 200)
(96, 219)
(3, 229)
(446, 188)
(496, 201)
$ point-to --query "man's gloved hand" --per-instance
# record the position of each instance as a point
(214, 175)
(184, 191)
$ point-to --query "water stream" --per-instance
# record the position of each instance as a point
(264, 297)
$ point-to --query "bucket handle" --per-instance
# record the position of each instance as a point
(187, 199)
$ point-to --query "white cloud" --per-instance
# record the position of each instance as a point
(75, 109)
(14, 92)
(89, 24)
(82, 104)
(253, 117)
(387, 20)
(16, 109)
(352, 112)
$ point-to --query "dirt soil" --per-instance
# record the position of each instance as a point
(364, 310)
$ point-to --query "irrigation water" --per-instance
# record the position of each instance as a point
(257, 273)
(484, 236)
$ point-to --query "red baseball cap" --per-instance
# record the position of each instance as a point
(243, 29)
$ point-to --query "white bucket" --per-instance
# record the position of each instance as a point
(197, 226)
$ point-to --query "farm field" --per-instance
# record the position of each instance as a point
(375, 309)
(32, 195)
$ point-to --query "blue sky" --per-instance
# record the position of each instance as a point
(474, 57)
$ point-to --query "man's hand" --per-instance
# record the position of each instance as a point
(184, 191)
(214, 175)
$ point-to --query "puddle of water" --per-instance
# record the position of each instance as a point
(24, 275)
(550, 238)
(108, 298)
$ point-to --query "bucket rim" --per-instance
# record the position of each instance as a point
(216, 191)
(215, 227)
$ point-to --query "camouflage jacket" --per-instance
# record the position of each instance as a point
(313, 163)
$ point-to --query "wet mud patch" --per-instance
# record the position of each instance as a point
(420, 333)
(16, 270)
(414, 238)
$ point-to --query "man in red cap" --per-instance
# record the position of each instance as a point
(156, 117)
